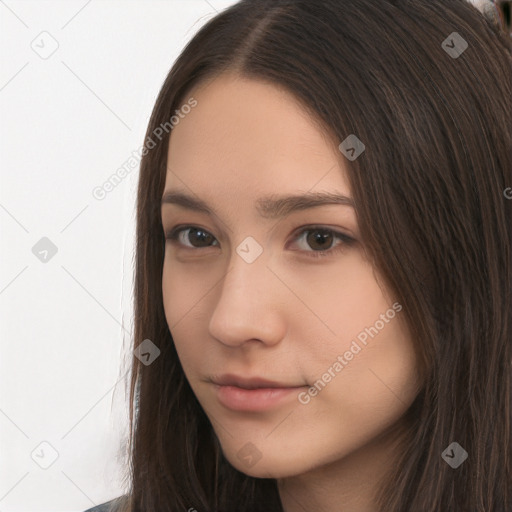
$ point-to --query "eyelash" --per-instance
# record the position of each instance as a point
(346, 240)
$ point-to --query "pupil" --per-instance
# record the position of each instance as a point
(201, 235)
(322, 237)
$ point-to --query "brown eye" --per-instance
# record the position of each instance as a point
(200, 237)
(196, 237)
(319, 239)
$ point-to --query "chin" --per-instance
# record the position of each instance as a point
(266, 467)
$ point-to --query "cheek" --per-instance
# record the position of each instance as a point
(178, 298)
(182, 307)
(375, 388)
(364, 369)
(184, 291)
(347, 306)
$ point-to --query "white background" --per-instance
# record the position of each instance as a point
(68, 121)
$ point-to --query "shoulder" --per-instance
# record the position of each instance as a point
(108, 506)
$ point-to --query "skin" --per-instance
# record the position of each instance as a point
(286, 316)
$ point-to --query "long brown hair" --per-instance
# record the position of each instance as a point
(433, 213)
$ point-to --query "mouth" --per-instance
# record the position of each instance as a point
(252, 394)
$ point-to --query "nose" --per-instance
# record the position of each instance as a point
(250, 305)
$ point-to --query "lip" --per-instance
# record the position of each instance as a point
(229, 379)
(252, 394)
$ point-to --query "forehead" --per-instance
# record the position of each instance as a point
(251, 135)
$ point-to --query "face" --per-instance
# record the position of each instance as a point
(285, 331)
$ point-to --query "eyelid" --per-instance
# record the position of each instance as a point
(345, 240)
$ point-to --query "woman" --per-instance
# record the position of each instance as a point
(324, 264)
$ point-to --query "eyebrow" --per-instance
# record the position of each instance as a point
(270, 207)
